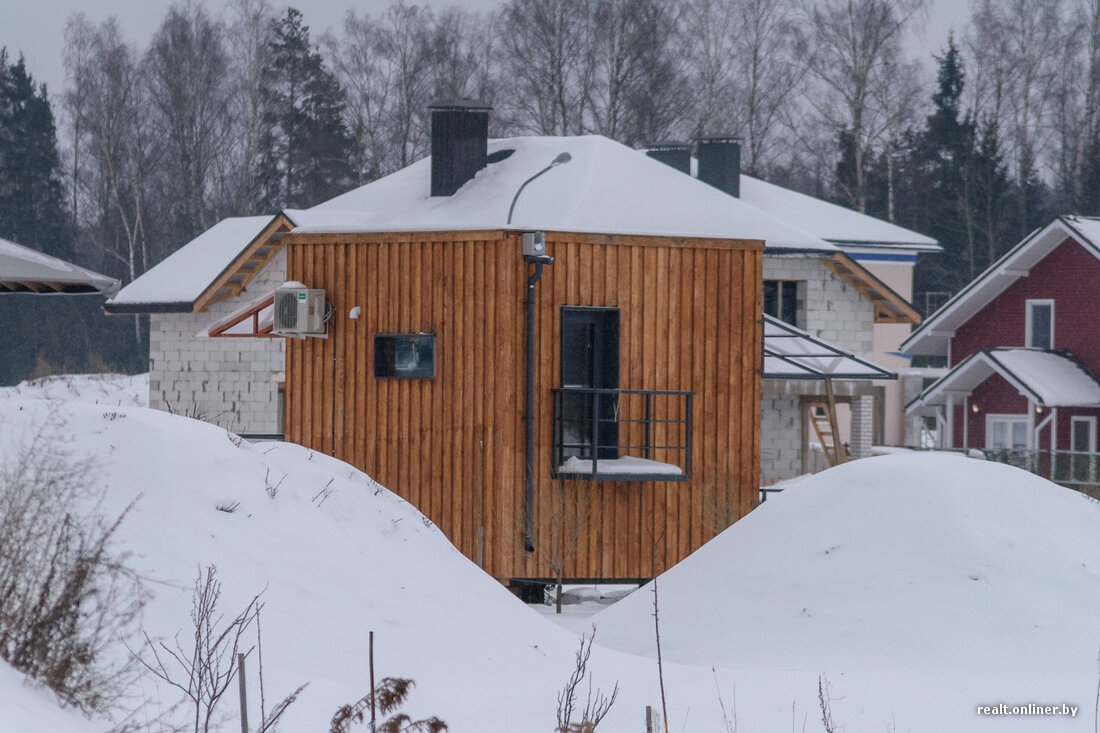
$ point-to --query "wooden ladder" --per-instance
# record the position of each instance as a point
(823, 418)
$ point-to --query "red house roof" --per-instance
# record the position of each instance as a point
(934, 335)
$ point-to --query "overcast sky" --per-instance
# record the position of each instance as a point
(36, 28)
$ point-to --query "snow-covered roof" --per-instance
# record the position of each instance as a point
(831, 222)
(934, 335)
(1044, 377)
(181, 278)
(26, 270)
(606, 187)
(791, 353)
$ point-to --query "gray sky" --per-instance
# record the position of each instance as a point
(37, 27)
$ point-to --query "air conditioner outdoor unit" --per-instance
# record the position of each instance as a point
(299, 311)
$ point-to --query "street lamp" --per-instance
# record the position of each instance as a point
(561, 159)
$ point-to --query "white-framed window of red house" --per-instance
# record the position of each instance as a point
(1005, 432)
(1040, 323)
(1082, 444)
(1082, 434)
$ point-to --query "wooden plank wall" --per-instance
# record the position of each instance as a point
(454, 446)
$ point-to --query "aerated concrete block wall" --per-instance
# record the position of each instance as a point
(831, 309)
(780, 438)
(232, 382)
(834, 311)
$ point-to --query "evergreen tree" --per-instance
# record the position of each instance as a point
(40, 334)
(31, 206)
(959, 186)
(306, 148)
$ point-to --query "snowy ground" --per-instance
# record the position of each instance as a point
(918, 586)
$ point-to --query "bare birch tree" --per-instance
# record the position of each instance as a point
(106, 102)
(247, 36)
(186, 69)
(854, 46)
(549, 65)
(747, 60)
(1018, 46)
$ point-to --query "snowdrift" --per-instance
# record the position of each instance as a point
(333, 556)
(918, 586)
(915, 583)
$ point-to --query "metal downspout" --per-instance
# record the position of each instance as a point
(529, 514)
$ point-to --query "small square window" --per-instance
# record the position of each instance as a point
(404, 356)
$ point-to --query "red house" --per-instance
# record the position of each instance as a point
(1023, 349)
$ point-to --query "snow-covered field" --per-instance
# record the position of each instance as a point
(918, 586)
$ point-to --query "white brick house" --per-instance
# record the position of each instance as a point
(855, 298)
(233, 382)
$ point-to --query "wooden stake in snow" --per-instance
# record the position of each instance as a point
(244, 696)
(371, 655)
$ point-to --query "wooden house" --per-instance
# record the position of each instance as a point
(601, 392)
(645, 346)
(1023, 354)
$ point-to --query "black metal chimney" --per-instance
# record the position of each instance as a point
(671, 152)
(460, 137)
(720, 162)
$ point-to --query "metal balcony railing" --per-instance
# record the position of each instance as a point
(1073, 469)
(621, 434)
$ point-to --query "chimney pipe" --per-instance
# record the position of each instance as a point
(720, 162)
(673, 153)
(460, 138)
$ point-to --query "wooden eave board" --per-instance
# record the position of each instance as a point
(236, 276)
(889, 306)
(491, 235)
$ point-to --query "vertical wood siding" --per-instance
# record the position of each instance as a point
(454, 446)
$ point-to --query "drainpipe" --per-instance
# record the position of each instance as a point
(529, 516)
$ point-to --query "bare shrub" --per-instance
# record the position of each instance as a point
(64, 597)
(386, 698)
(203, 669)
(825, 704)
(596, 704)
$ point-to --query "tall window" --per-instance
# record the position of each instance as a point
(1040, 324)
(781, 300)
(590, 360)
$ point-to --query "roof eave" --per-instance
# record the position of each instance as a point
(941, 319)
(125, 309)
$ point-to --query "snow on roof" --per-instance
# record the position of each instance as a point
(1044, 377)
(831, 222)
(23, 269)
(183, 276)
(934, 334)
(605, 188)
(791, 353)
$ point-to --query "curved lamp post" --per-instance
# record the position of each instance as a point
(562, 158)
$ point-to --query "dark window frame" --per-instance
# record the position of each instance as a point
(386, 358)
(1032, 305)
(787, 297)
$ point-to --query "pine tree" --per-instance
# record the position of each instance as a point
(307, 149)
(31, 205)
(959, 184)
(38, 332)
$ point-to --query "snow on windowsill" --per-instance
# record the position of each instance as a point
(625, 465)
